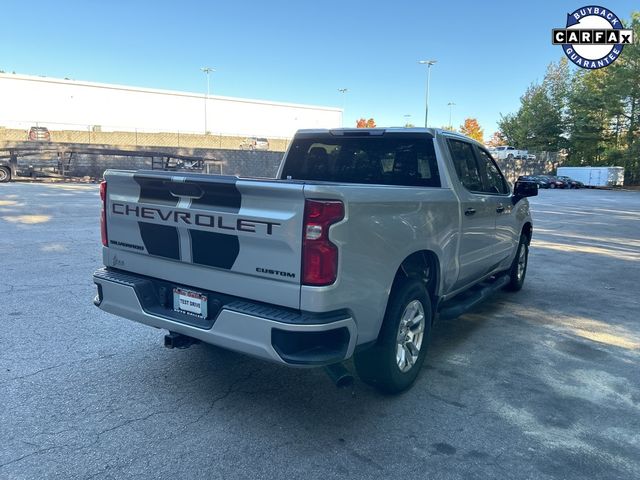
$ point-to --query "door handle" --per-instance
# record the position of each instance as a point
(188, 190)
(500, 209)
(469, 211)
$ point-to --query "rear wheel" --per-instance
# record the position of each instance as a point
(518, 269)
(5, 175)
(552, 185)
(393, 364)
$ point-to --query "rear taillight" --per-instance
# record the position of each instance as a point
(103, 213)
(319, 255)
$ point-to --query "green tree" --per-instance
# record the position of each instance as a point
(557, 84)
(625, 88)
(537, 125)
(594, 114)
(589, 117)
(604, 113)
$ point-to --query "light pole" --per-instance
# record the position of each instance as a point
(343, 91)
(207, 71)
(428, 63)
(450, 104)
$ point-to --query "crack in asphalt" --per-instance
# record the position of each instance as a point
(53, 367)
(37, 452)
(131, 421)
(230, 389)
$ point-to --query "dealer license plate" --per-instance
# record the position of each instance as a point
(188, 301)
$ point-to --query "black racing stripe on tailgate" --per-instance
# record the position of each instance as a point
(222, 196)
(160, 240)
(155, 191)
(214, 249)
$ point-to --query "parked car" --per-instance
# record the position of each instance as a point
(255, 143)
(552, 181)
(542, 183)
(39, 134)
(333, 259)
(570, 182)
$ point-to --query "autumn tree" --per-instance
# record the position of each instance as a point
(471, 128)
(497, 139)
(362, 123)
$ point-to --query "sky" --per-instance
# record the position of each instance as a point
(302, 52)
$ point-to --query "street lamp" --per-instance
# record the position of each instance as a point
(343, 91)
(206, 71)
(428, 63)
(450, 104)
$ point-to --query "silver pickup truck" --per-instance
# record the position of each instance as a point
(363, 239)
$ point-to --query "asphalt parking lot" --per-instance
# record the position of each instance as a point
(540, 384)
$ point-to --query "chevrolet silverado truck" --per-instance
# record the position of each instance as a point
(506, 152)
(364, 238)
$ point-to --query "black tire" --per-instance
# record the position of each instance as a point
(378, 366)
(516, 275)
(5, 175)
(552, 185)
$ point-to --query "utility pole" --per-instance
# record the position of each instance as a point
(428, 63)
(343, 91)
(207, 71)
(450, 104)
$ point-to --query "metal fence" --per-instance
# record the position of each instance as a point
(128, 136)
(536, 163)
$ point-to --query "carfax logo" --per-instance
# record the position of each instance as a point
(593, 38)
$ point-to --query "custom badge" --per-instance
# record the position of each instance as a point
(593, 38)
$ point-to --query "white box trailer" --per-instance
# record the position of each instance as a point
(595, 176)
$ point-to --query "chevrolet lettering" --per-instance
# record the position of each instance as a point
(189, 218)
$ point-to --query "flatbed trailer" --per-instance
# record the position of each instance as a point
(29, 159)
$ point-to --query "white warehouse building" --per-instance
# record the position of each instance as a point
(58, 104)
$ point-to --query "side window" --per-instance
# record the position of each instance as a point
(465, 164)
(492, 179)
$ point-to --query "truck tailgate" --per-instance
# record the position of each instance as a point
(212, 232)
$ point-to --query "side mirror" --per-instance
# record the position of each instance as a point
(524, 189)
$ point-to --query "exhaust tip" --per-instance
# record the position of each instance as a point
(339, 375)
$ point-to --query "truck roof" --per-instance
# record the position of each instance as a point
(382, 130)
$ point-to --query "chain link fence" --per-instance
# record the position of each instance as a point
(110, 135)
(536, 163)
